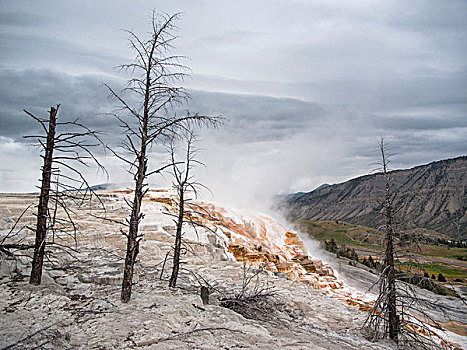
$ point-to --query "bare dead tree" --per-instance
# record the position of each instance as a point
(187, 190)
(145, 113)
(399, 313)
(389, 273)
(42, 209)
(63, 153)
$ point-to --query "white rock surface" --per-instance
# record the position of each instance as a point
(78, 306)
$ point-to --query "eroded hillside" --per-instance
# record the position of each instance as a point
(432, 196)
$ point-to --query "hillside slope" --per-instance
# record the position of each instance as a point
(432, 196)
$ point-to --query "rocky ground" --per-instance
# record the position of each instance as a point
(78, 306)
(449, 312)
(71, 309)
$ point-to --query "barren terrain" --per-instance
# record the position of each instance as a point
(78, 306)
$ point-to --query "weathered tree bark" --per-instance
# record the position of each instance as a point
(132, 248)
(390, 273)
(185, 185)
(178, 239)
(42, 210)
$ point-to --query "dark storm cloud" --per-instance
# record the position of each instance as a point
(80, 97)
(35, 51)
(377, 95)
(255, 118)
(250, 118)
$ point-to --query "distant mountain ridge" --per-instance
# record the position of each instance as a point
(297, 195)
(432, 196)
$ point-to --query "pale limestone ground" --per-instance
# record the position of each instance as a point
(78, 304)
(88, 315)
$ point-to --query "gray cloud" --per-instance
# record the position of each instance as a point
(429, 16)
(258, 117)
(269, 144)
(21, 19)
(308, 87)
(81, 97)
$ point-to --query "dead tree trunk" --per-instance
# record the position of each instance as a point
(132, 247)
(399, 313)
(178, 241)
(67, 149)
(132, 239)
(42, 211)
(186, 187)
(389, 271)
(147, 119)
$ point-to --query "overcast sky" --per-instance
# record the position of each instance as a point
(308, 87)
